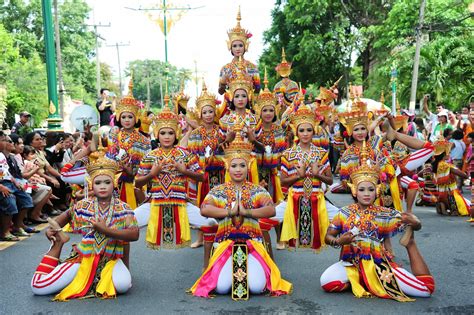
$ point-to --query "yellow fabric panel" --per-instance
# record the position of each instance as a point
(130, 193)
(79, 282)
(354, 279)
(462, 207)
(105, 287)
(288, 230)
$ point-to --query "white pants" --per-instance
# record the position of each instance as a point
(256, 277)
(142, 213)
(418, 158)
(408, 283)
(63, 274)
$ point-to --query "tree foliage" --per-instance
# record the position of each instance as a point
(156, 72)
(322, 36)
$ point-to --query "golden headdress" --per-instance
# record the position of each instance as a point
(128, 104)
(284, 67)
(237, 149)
(365, 172)
(442, 146)
(241, 82)
(400, 120)
(99, 164)
(266, 98)
(353, 118)
(167, 119)
(382, 111)
(303, 115)
(205, 99)
(238, 33)
(145, 121)
(180, 99)
(324, 100)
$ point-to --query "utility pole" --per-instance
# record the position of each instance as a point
(59, 59)
(97, 60)
(117, 45)
(196, 78)
(393, 78)
(54, 120)
(416, 61)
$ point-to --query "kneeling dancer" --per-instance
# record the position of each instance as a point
(95, 267)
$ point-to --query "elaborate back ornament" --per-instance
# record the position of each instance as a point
(241, 82)
(167, 119)
(238, 33)
(99, 164)
(382, 111)
(128, 103)
(237, 149)
(442, 146)
(365, 172)
(401, 121)
(205, 99)
(284, 67)
(180, 99)
(266, 98)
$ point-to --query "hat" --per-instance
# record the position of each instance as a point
(408, 113)
(25, 113)
(443, 113)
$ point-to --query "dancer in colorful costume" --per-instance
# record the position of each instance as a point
(167, 169)
(238, 44)
(204, 143)
(240, 116)
(286, 89)
(450, 200)
(127, 145)
(269, 146)
(361, 228)
(95, 267)
(240, 263)
(304, 168)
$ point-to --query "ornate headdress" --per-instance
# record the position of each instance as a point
(241, 82)
(145, 121)
(128, 104)
(180, 99)
(266, 98)
(353, 118)
(303, 115)
(99, 164)
(442, 146)
(167, 119)
(399, 119)
(205, 99)
(237, 149)
(238, 33)
(365, 172)
(382, 111)
(284, 67)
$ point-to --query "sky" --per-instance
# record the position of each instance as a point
(200, 35)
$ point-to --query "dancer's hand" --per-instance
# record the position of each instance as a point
(263, 183)
(315, 167)
(156, 168)
(99, 225)
(235, 210)
(179, 166)
(301, 169)
(51, 234)
(251, 135)
(346, 238)
(230, 136)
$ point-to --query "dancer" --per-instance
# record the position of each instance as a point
(286, 89)
(127, 145)
(304, 168)
(240, 264)
(361, 228)
(95, 267)
(167, 169)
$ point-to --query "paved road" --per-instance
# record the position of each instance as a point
(160, 279)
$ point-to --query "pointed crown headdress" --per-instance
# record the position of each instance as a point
(99, 164)
(205, 99)
(128, 103)
(238, 33)
(266, 98)
(356, 114)
(442, 146)
(145, 121)
(167, 119)
(180, 99)
(284, 67)
(237, 149)
(382, 111)
(241, 82)
(399, 119)
(365, 172)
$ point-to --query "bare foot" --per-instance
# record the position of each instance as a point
(407, 236)
(280, 245)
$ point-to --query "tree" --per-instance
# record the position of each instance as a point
(156, 72)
